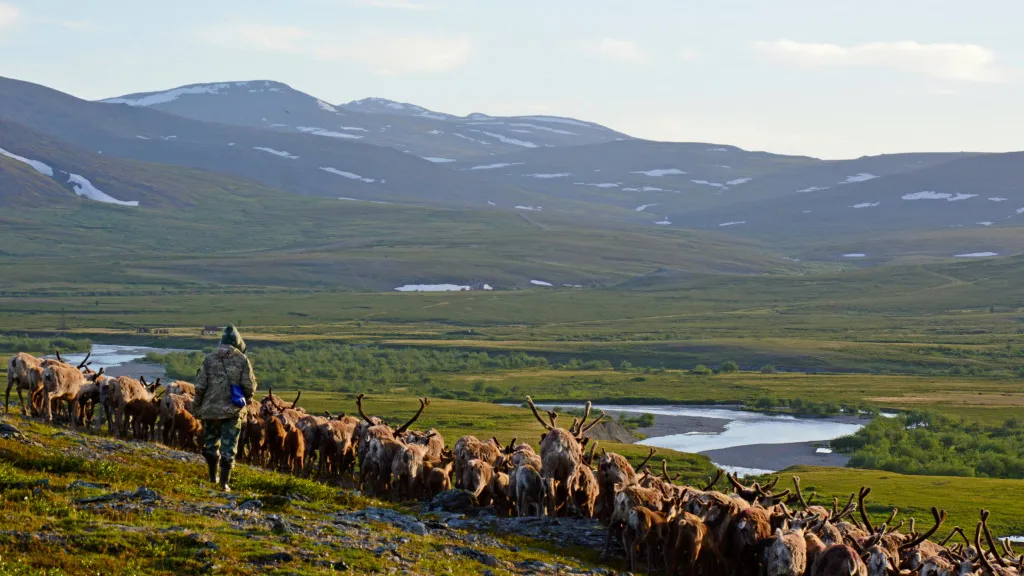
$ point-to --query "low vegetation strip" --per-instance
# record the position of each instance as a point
(931, 444)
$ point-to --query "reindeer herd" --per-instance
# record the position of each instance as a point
(690, 530)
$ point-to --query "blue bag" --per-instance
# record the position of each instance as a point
(237, 396)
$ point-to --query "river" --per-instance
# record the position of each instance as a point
(121, 360)
(737, 440)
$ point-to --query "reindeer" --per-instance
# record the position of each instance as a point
(786, 554)
(377, 446)
(123, 390)
(188, 431)
(528, 488)
(613, 472)
(25, 372)
(64, 382)
(337, 445)
(143, 415)
(647, 528)
(561, 450)
(437, 476)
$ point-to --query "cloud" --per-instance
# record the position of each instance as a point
(397, 4)
(9, 14)
(400, 55)
(618, 50)
(257, 37)
(961, 62)
(387, 55)
(688, 55)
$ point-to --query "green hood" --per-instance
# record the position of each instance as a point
(232, 337)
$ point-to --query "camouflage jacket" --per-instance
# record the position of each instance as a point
(220, 370)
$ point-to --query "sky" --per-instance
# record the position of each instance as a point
(832, 79)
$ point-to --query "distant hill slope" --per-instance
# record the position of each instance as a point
(41, 170)
(407, 127)
(981, 192)
(296, 163)
(663, 181)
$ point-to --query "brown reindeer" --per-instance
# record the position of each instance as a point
(686, 539)
(561, 450)
(188, 431)
(438, 476)
(143, 415)
(786, 554)
(647, 528)
(64, 382)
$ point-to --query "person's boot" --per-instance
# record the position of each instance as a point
(225, 475)
(211, 464)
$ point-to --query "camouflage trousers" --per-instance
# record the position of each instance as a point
(222, 434)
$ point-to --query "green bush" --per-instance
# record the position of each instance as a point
(701, 370)
(768, 369)
(930, 444)
(730, 366)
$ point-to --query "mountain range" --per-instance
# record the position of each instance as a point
(175, 149)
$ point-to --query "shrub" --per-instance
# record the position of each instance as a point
(701, 370)
(768, 369)
(730, 366)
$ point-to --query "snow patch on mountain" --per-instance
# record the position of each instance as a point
(281, 153)
(507, 140)
(855, 255)
(643, 207)
(548, 176)
(599, 184)
(542, 128)
(493, 166)
(325, 106)
(438, 160)
(866, 205)
(530, 208)
(471, 139)
(862, 177)
(706, 183)
(541, 283)
(558, 120)
(998, 199)
(659, 172)
(328, 133)
(812, 189)
(977, 255)
(931, 195)
(433, 288)
(727, 224)
(83, 187)
(349, 175)
(38, 166)
(168, 96)
(738, 181)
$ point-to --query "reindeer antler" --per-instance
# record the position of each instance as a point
(940, 517)
(864, 491)
(423, 405)
(713, 481)
(585, 429)
(533, 407)
(991, 541)
(575, 429)
(359, 405)
(646, 460)
(84, 362)
(799, 494)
